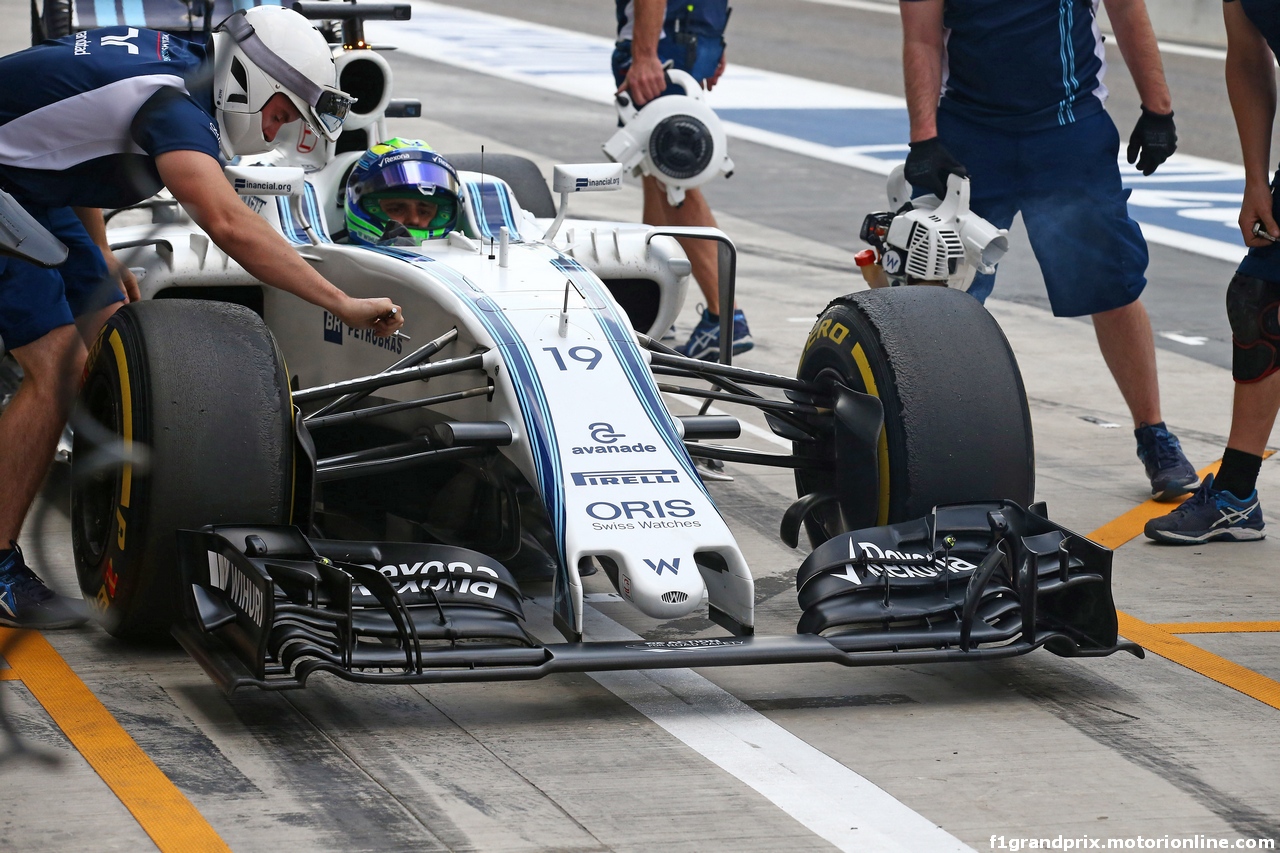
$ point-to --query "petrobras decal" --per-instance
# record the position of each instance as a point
(667, 646)
(435, 575)
(643, 515)
(626, 478)
(335, 332)
(607, 440)
(244, 594)
(954, 565)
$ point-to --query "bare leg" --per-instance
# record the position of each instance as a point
(703, 254)
(33, 421)
(1253, 414)
(1128, 348)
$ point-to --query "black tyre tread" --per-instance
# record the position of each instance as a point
(521, 174)
(210, 398)
(956, 417)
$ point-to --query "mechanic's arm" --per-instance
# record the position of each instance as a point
(1154, 138)
(922, 51)
(91, 218)
(1137, 42)
(197, 182)
(645, 78)
(929, 163)
(1251, 85)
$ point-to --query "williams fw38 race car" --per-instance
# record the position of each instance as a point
(288, 496)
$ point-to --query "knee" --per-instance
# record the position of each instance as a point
(1253, 309)
(54, 363)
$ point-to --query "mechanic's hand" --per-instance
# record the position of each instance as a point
(1257, 208)
(929, 164)
(122, 277)
(381, 315)
(715, 77)
(1152, 141)
(646, 79)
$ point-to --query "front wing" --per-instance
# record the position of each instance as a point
(267, 607)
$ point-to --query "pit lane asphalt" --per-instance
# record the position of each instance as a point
(1035, 746)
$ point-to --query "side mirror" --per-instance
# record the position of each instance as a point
(581, 178)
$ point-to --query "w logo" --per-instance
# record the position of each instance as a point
(673, 566)
(121, 41)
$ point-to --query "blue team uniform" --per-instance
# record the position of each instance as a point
(1264, 262)
(97, 108)
(1022, 108)
(692, 37)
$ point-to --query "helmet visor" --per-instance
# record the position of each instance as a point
(421, 176)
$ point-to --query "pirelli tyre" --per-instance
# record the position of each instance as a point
(521, 174)
(185, 419)
(956, 423)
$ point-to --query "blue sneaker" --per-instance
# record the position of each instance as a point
(1170, 473)
(25, 602)
(704, 343)
(1207, 515)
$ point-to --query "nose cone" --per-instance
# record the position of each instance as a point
(661, 587)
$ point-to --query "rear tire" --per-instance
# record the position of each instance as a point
(201, 389)
(956, 423)
(520, 173)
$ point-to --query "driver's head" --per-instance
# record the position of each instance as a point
(270, 51)
(401, 181)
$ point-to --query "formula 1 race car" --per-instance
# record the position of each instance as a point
(286, 495)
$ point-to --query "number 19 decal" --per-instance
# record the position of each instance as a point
(590, 356)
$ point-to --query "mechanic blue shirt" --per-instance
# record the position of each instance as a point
(97, 109)
(692, 33)
(1022, 64)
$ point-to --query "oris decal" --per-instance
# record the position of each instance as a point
(645, 515)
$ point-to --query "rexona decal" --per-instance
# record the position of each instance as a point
(954, 565)
(625, 478)
(434, 576)
(630, 515)
(606, 441)
(227, 577)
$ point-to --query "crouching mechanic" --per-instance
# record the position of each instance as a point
(690, 34)
(107, 119)
(401, 193)
(1226, 506)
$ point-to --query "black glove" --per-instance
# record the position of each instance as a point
(928, 165)
(1152, 141)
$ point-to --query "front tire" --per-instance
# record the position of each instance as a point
(956, 423)
(186, 420)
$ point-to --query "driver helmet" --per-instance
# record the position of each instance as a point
(260, 51)
(405, 175)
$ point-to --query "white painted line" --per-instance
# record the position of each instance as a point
(1189, 340)
(1192, 243)
(823, 795)
(860, 5)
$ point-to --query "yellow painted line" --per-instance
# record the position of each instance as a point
(8, 675)
(1212, 666)
(1218, 627)
(162, 811)
(1160, 639)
